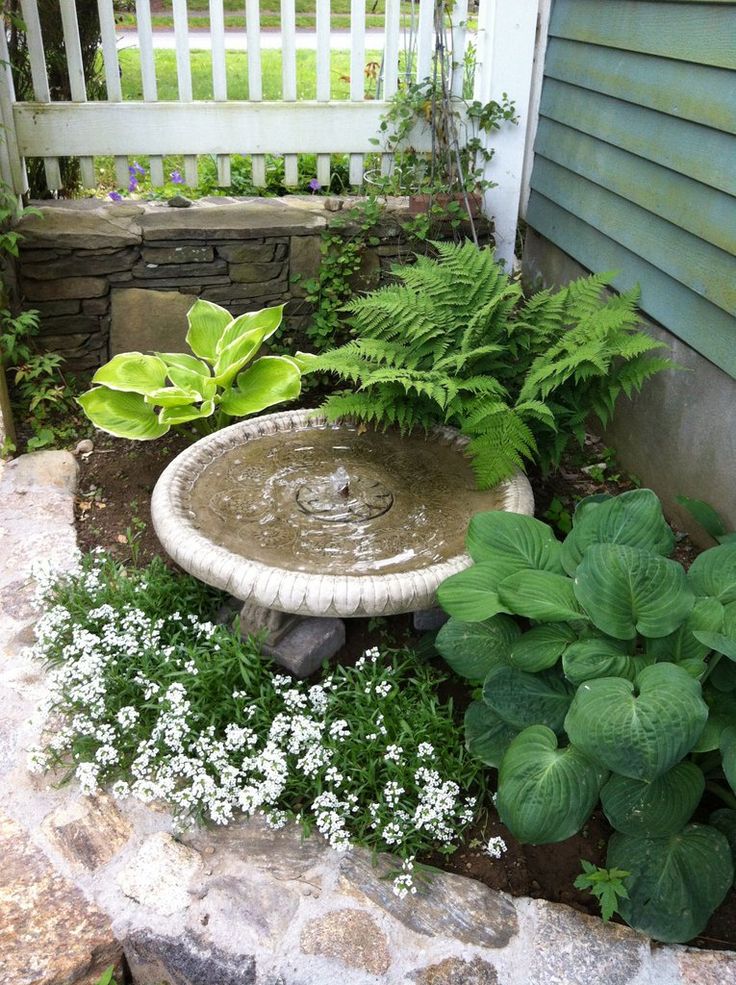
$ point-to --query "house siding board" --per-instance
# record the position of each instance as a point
(697, 208)
(702, 33)
(676, 307)
(635, 156)
(697, 93)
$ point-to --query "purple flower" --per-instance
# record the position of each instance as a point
(115, 196)
(176, 177)
(136, 169)
(133, 185)
(314, 186)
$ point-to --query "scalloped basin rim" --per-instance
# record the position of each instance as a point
(257, 487)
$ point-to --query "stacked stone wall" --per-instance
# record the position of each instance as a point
(84, 266)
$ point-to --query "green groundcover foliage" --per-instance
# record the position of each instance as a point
(606, 674)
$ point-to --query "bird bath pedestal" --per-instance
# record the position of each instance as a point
(305, 520)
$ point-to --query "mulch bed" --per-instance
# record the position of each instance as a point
(113, 511)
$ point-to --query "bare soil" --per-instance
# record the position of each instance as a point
(113, 511)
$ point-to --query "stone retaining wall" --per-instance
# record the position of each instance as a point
(102, 275)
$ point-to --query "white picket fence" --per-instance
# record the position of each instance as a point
(123, 129)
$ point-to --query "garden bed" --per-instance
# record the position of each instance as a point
(113, 511)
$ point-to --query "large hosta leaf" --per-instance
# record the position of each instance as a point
(487, 737)
(473, 648)
(207, 322)
(172, 396)
(714, 573)
(180, 415)
(126, 415)
(265, 321)
(638, 730)
(602, 656)
(721, 715)
(237, 355)
(471, 595)
(270, 380)
(633, 519)
(626, 591)
(725, 821)
(706, 616)
(522, 699)
(541, 647)
(188, 379)
(521, 540)
(676, 883)
(540, 595)
(132, 372)
(182, 360)
(653, 809)
(546, 794)
(723, 676)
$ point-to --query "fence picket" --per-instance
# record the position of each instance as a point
(112, 72)
(357, 73)
(75, 70)
(391, 65)
(184, 76)
(425, 40)
(148, 75)
(458, 20)
(288, 79)
(39, 78)
(16, 175)
(255, 83)
(324, 62)
(219, 77)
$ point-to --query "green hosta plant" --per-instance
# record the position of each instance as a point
(142, 396)
(606, 673)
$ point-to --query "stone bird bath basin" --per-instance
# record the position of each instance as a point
(298, 517)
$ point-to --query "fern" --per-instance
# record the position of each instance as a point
(454, 341)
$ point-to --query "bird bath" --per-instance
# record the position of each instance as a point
(298, 517)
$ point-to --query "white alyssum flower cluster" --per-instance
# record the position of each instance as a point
(136, 715)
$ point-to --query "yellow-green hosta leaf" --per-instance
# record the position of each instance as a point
(237, 355)
(126, 415)
(676, 883)
(303, 360)
(270, 380)
(132, 372)
(639, 730)
(186, 379)
(182, 360)
(207, 322)
(546, 794)
(266, 321)
(172, 396)
(180, 415)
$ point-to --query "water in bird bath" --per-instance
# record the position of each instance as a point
(339, 500)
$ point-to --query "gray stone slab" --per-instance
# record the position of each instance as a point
(148, 320)
(303, 649)
(70, 325)
(185, 960)
(193, 271)
(68, 287)
(448, 906)
(254, 252)
(253, 219)
(255, 273)
(71, 228)
(74, 266)
(244, 292)
(178, 254)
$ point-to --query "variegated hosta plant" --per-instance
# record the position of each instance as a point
(618, 685)
(142, 396)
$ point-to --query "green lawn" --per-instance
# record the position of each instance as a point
(237, 74)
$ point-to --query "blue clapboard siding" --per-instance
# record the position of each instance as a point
(635, 156)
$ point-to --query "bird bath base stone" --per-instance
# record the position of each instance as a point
(298, 517)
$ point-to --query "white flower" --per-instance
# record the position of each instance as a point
(425, 750)
(87, 774)
(393, 754)
(495, 847)
(127, 716)
(339, 729)
(120, 790)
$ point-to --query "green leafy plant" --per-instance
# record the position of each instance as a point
(708, 518)
(454, 342)
(618, 685)
(142, 396)
(607, 885)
